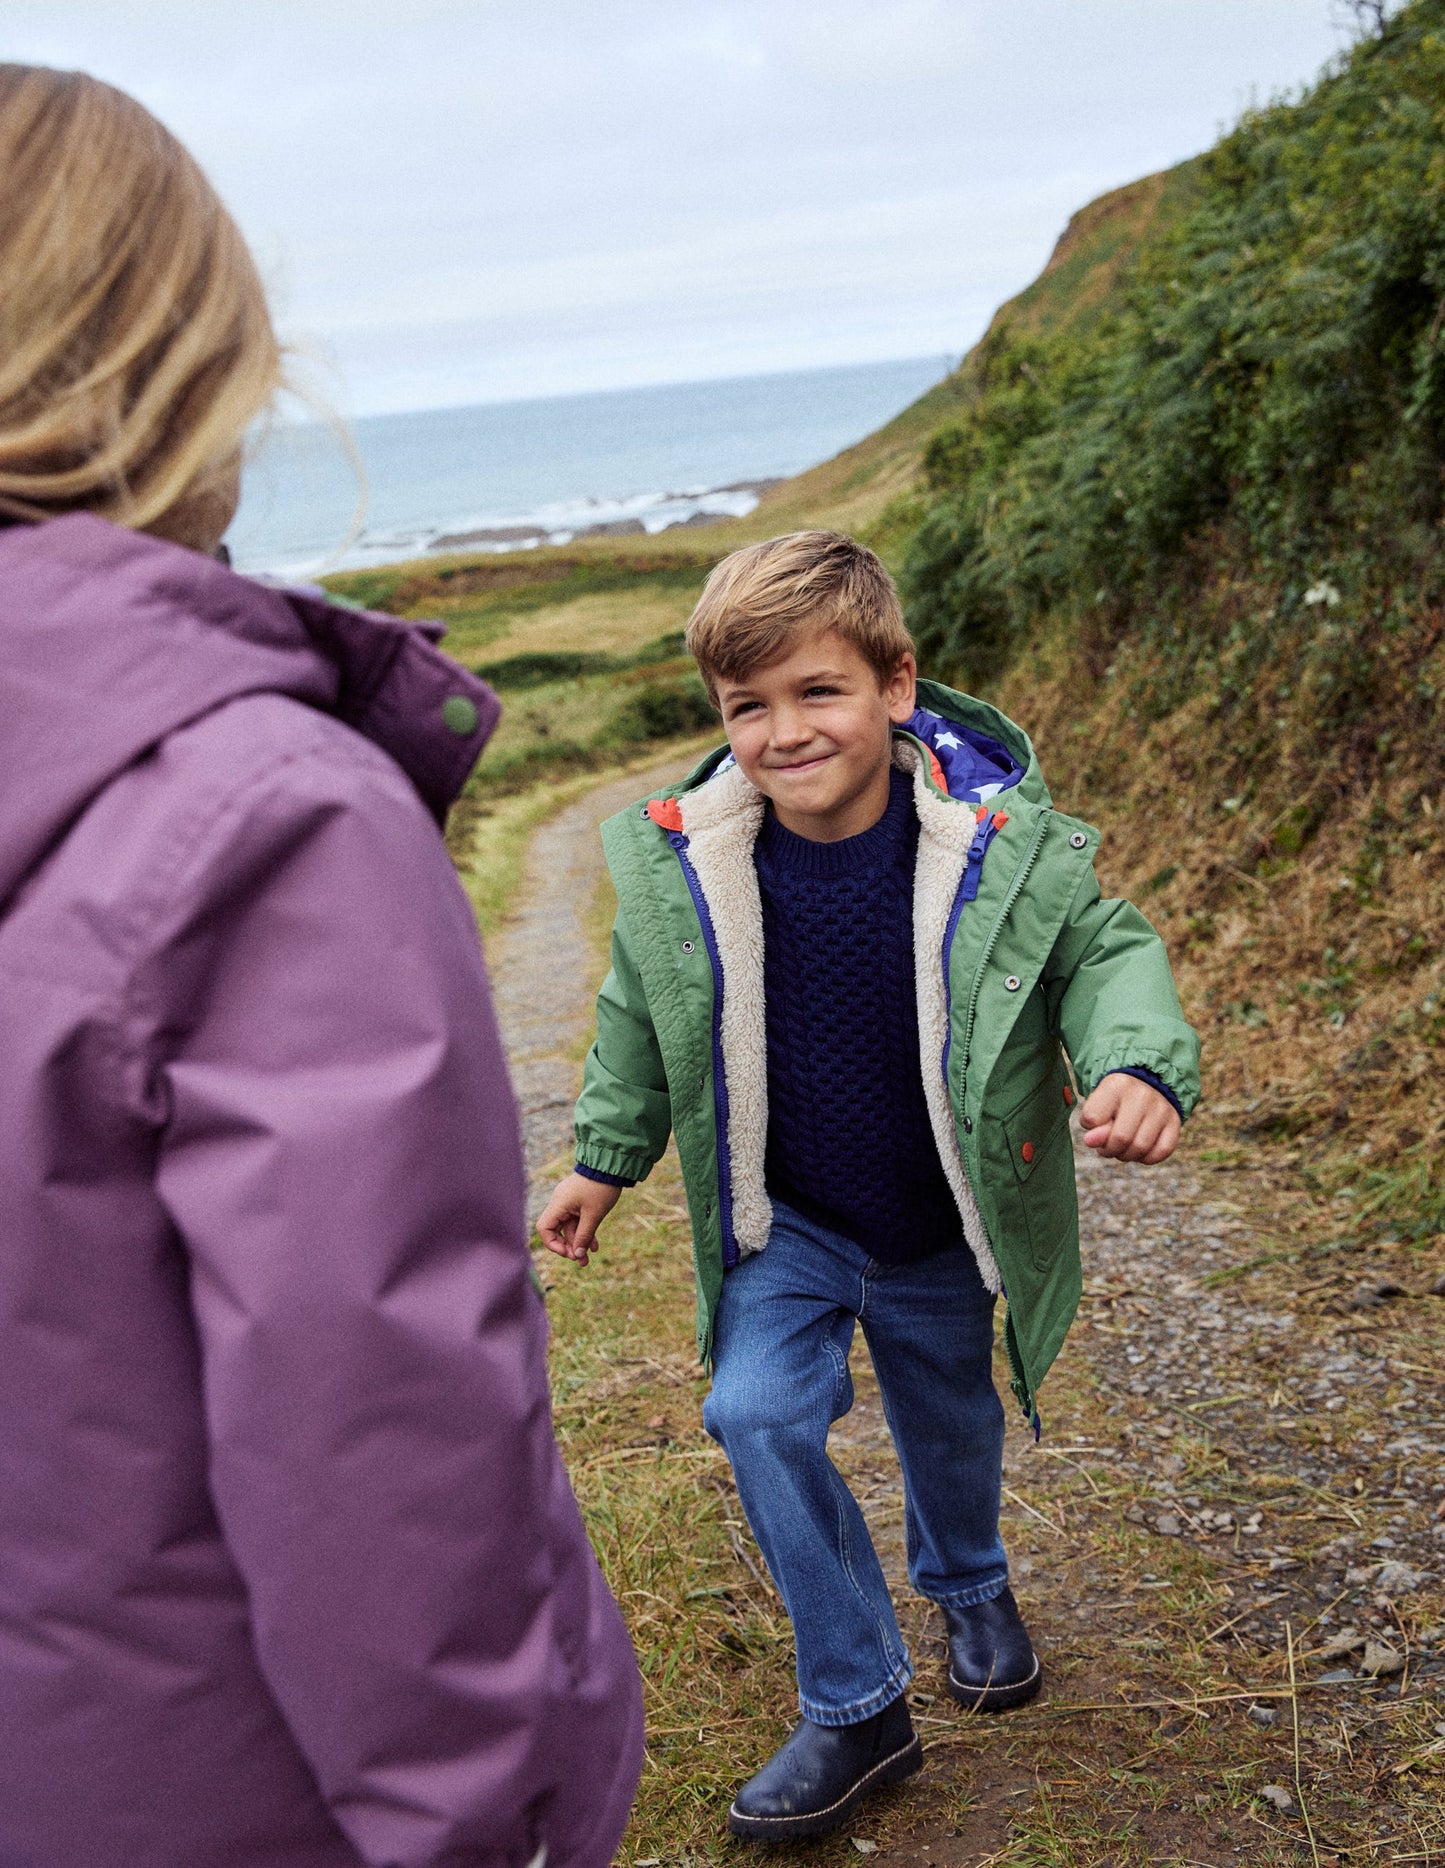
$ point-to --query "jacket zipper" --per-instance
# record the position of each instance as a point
(968, 885)
(959, 901)
(719, 1074)
(1014, 890)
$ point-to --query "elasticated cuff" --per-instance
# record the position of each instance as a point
(607, 1180)
(606, 1162)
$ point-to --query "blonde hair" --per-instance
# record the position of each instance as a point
(136, 347)
(757, 600)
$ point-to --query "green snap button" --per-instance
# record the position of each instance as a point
(459, 715)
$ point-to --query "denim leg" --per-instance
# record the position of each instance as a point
(780, 1378)
(929, 1328)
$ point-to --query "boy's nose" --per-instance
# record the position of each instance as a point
(790, 730)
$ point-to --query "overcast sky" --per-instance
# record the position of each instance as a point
(471, 200)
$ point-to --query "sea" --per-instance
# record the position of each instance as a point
(508, 475)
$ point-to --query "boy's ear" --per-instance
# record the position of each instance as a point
(901, 690)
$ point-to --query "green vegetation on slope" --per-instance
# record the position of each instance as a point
(1270, 381)
(1194, 543)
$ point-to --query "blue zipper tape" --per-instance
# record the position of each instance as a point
(719, 1074)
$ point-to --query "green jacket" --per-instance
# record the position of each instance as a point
(1019, 961)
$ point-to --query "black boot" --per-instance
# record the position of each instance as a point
(991, 1661)
(813, 1785)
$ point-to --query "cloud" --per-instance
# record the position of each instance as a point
(592, 190)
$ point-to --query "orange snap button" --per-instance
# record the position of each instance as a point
(1027, 1151)
(1068, 1097)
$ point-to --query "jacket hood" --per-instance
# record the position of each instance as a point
(111, 639)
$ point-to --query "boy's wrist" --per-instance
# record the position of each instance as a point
(1154, 1082)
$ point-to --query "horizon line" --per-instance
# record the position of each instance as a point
(320, 419)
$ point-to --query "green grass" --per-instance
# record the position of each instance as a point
(488, 833)
(558, 598)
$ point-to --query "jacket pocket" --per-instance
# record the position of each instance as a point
(1041, 1153)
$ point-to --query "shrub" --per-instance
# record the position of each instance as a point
(660, 710)
(1271, 384)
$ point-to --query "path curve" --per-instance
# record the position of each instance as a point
(543, 969)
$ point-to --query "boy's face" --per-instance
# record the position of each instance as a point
(813, 733)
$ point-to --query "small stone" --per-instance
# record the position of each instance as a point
(1381, 1662)
(1278, 1796)
(1263, 1715)
(1167, 1525)
(1398, 1579)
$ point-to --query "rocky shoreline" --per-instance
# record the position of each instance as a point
(526, 537)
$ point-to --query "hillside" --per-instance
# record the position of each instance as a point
(1178, 513)
(1195, 547)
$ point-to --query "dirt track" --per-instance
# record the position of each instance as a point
(1244, 1462)
(544, 970)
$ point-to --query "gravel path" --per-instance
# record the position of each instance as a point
(543, 969)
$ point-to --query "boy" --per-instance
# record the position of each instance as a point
(849, 954)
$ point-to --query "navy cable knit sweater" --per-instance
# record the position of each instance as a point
(849, 1139)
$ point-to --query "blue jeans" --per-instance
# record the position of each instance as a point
(780, 1378)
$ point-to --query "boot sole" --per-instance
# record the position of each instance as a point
(996, 1698)
(823, 1822)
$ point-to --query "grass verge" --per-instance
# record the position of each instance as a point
(488, 834)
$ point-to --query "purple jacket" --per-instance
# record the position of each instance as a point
(290, 1572)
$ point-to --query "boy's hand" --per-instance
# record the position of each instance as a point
(568, 1224)
(1128, 1120)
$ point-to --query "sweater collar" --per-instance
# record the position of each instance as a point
(875, 848)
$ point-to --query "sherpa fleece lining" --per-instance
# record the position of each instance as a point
(721, 820)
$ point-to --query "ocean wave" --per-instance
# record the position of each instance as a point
(558, 523)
